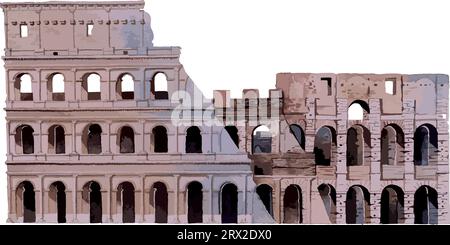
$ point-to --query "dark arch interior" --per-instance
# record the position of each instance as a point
(126, 140)
(293, 205)
(425, 206)
(323, 145)
(160, 139)
(56, 139)
(161, 202)
(193, 140)
(356, 205)
(29, 203)
(328, 195)
(392, 200)
(233, 132)
(128, 202)
(352, 148)
(27, 139)
(299, 135)
(95, 203)
(265, 194)
(195, 202)
(94, 140)
(60, 201)
(261, 141)
(425, 144)
(229, 204)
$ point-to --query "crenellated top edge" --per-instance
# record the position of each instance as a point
(128, 4)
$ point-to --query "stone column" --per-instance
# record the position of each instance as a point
(408, 130)
(341, 158)
(74, 198)
(375, 128)
(310, 129)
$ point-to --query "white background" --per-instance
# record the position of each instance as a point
(236, 44)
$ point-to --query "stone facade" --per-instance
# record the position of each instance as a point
(97, 152)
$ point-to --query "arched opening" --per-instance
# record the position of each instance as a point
(93, 139)
(125, 87)
(126, 140)
(328, 195)
(24, 87)
(229, 203)
(95, 202)
(261, 140)
(160, 139)
(193, 140)
(392, 201)
(233, 132)
(25, 139)
(358, 146)
(392, 144)
(426, 206)
(425, 145)
(265, 194)
(357, 203)
(56, 140)
(125, 199)
(195, 202)
(26, 204)
(159, 88)
(358, 110)
(57, 194)
(293, 205)
(160, 201)
(55, 87)
(324, 144)
(298, 133)
(92, 87)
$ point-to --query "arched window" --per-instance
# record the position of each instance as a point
(328, 195)
(159, 86)
(126, 140)
(357, 110)
(293, 205)
(324, 145)
(24, 140)
(425, 145)
(233, 133)
(358, 145)
(125, 200)
(229, 203)
(195, 202)
(265, 194)
(125, 87)
(299, 135)
(193, 140)
(160, 141)
(24, 87)
(92, 87)
(93, 139)
(56, 140)
(57, 199)
(160, 202)
(25, 202)
(261, 140)
(94, 198)
(357, 209)
(426, 206)
(55, 87)
(392, 144)
(392, 201)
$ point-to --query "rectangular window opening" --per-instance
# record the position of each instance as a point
(23, 31)
(90, 29)
(329, 87)
(389, 86)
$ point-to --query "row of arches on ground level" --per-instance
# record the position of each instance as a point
(26, 204)
(357, 204)
(91, 87)
(359, 144)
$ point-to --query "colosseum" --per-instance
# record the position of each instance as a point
(104, 127)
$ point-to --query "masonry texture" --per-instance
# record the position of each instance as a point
(104, 127)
